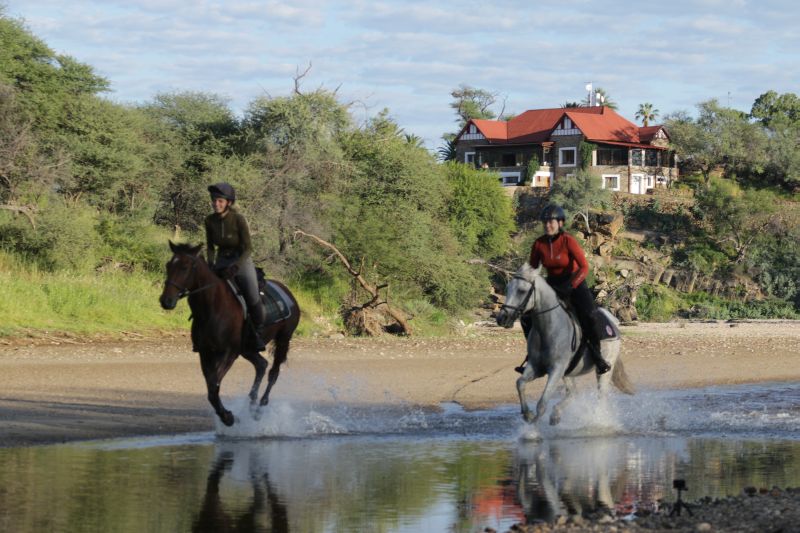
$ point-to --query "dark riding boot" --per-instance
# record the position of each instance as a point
(593, 337)
(257, 319)
(597, 357)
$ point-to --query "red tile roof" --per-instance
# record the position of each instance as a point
(536, 125)
(493, 130)
(647, 134)
(607, 126)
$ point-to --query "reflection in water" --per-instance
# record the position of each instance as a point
(565, 478)
(391, 484)
(264, 512)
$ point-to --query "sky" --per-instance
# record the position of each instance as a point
(408, 55)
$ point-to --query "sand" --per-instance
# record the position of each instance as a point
(57, 391)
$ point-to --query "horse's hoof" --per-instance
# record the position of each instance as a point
(529, 418)
(227, 418)
(554, 420)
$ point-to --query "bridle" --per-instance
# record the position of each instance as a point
(517, 310)
(183, 291)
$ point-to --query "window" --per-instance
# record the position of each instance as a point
(612, 156)
(651, 158)
(611, 181)
(508, 160)
(567, 123)
(649, 182)
(636, 158)
(469, 158)
(473, 129)
(567, 157)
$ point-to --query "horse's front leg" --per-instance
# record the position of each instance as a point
(215, 366)
(522, 381)
(553, 377)
(555, 417)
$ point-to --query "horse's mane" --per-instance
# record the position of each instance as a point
(528, 272)
(185, 248)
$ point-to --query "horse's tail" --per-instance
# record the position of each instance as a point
(620, 379)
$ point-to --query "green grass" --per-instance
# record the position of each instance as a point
(33, 301)
(36, 302)
(656, 303)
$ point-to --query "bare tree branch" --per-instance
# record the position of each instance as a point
(372, 290)
(490, 266)
(22, 210)
(299, 76)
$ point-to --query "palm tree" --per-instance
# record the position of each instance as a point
(569, 105)
(646, 113)
(447, 151)
(606, 100)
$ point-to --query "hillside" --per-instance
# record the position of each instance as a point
(653, 259)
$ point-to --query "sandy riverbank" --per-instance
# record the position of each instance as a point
(66, 391)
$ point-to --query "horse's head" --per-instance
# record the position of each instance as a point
(181, 273)
(519, 295)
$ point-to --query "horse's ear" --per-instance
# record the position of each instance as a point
(195, 250)
(171, 246)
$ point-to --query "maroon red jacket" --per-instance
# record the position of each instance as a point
(560, 255)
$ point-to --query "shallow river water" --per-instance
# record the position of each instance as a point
(306, 468)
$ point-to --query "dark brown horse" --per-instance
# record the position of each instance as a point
(219, 331)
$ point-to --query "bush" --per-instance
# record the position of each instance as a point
(64, 237)
(655, 303)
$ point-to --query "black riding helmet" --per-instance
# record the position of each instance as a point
(553, 211)
(222, 190)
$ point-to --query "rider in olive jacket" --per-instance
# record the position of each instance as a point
(229, 251)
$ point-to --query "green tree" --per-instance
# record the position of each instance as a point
(480, 212)
(720, 137)
(771, 106)
(578, 194)
(734, 218)
(45, 81)
(646, 114)
(394, 217)
(780, 116)
(296, 141)
(469, 102)
(195, 134)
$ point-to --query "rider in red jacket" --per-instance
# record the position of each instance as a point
(567, 269)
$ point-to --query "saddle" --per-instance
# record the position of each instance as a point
(605, 328)
(277, 303)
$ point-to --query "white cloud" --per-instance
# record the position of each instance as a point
(409, 55)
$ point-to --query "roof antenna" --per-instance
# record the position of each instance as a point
(591, 99)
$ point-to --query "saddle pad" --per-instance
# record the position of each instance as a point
(606, 325)
(277, 302)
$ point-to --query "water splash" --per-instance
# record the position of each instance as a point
(744, 410)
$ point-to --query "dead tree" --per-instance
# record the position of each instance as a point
(361, 318)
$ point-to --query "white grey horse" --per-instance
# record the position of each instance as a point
(553, 340)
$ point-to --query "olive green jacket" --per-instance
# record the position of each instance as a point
(227, 238)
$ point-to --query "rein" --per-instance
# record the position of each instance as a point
(183, 291)
(519, 309)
